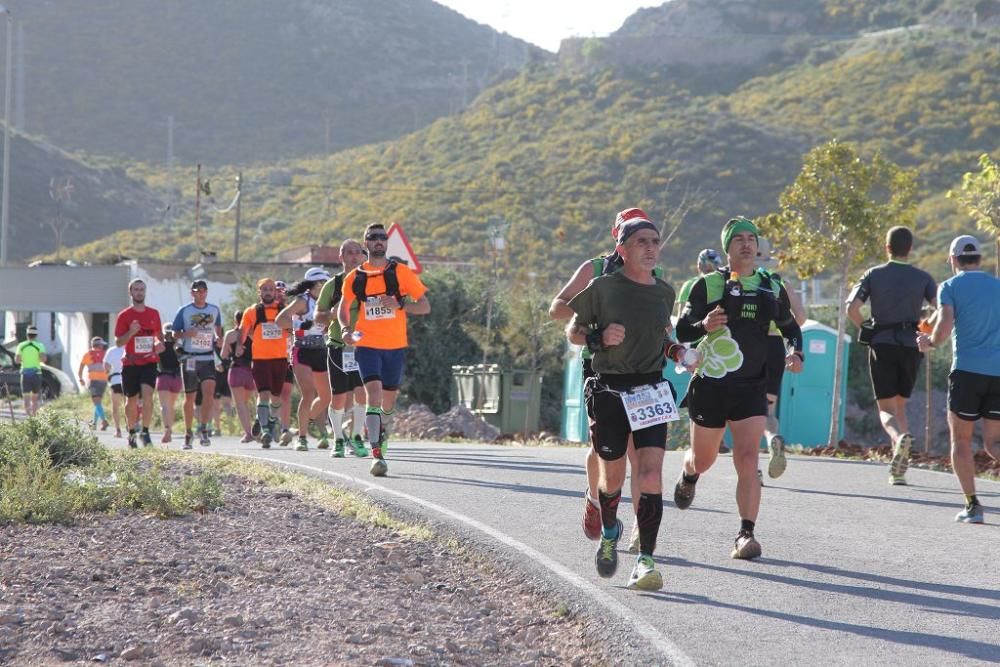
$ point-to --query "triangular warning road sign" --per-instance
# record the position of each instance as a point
(398, 246)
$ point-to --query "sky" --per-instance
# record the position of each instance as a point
(546, 22)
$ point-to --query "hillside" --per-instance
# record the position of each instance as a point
(556, 150)
(248, 80)
(59, 198)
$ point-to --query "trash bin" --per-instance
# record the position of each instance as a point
(508, 400)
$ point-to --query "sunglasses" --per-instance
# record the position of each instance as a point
(377, 237)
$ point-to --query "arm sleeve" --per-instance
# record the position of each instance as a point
(789, 328)
(689, 326)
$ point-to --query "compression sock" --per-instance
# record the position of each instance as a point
(101, 413)
(263, 414)
(337, 418)
(357, 419)
(746, 525)
(373, 422)
(609, 511)
(648, 516)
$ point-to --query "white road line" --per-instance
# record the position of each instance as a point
(667, 648)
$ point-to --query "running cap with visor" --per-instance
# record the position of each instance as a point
(965, 246)
(280, 284)
(97, 340)
(710, 256)
(316, 274)
(199, 284)
(32, 330)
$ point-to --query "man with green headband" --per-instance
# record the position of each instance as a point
(732, 310)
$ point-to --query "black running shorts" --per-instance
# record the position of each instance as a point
(313, 357)
(893, 369)
(341, 382)
(711, 403)
(973, 395)
(609, 426)
(133, 377)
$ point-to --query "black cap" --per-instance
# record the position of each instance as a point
(199, 284)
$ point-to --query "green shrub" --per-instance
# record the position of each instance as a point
(66, 443)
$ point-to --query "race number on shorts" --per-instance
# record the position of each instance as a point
(143, 344)
(649, 405)
(348, 364)
(270, 331)
(374, 310)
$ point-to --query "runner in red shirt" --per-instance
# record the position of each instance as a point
(138, 330)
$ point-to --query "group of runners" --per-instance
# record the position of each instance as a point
(737, 330)
(341, 339)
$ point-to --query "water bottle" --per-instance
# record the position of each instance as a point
(688, 358)
(356, 336)
(732, 298)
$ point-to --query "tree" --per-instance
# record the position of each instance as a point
(980, 195)
(834, 216)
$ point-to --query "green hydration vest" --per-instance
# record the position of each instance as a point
(759, 301)
(604, 265)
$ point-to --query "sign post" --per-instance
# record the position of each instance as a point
(398, 246)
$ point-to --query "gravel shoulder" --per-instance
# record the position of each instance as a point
(271, 579)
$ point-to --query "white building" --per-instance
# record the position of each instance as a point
(71, 304)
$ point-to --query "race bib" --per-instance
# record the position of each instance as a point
(143, 344)
(374, 310)
(649, 405)
(270, 331)
(189, 364)
(348, 364)
(203, 341)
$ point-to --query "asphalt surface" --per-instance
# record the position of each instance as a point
(853, 572)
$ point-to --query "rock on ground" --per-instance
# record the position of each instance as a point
(417, 421)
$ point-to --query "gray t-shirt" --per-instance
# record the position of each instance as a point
(644, 311)
(897, 292)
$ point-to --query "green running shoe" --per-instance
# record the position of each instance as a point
(338, 449)
(303, 445)
(324, 443)
(644, 576)
(359, 447)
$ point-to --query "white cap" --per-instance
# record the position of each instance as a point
(317, 273)
(964, 245)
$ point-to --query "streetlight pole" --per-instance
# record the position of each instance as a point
(8, 79)
(496, 227)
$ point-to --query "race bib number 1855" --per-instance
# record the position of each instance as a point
(649, 405)
(374, 310)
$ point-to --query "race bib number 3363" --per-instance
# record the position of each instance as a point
(649, 405)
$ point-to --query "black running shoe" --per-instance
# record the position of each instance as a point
(146, 440)
(133, 441)
(683, 492)
(606, 558)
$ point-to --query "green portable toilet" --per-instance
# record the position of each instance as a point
(520, 401)
(575, 426)
(806, 397)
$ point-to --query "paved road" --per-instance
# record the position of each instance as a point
(854, 571)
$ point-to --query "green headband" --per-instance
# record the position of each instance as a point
(735, 226)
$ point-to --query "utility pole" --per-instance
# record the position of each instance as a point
(5, 200)
(239, 200)
(19, 80)
(197, 212)
(170, 153)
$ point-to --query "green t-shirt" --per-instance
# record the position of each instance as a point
(644, 311)
(329, 297)
(31, 352)
(682, 296)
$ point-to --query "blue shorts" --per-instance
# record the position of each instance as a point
(384, 365)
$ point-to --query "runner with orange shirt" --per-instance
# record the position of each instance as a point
(270, 357)
(97, 378)
(382, 293)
